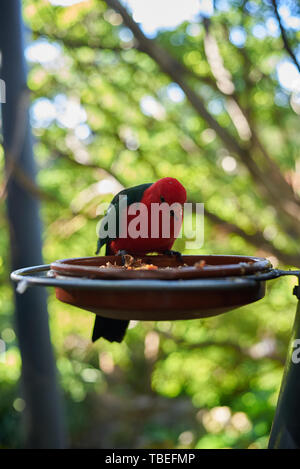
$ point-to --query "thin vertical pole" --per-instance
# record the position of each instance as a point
(43, 423)
(285, 433)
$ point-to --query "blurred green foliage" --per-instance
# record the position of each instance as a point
(105, 116)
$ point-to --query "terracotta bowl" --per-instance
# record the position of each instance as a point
(163, 294)
(169, 268)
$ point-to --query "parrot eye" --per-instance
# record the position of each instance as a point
(162, 199)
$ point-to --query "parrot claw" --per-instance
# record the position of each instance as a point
(176, 254)
(122, 253)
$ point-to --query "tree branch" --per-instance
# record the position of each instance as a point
(284, 36)
(257, 239)
(93, 43)
(74, 162)
(242, 122)
(169, 65)
(30, 186)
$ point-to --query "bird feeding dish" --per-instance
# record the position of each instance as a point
(172, 290)
(222, 284)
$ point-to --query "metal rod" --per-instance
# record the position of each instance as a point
(42, 416)
(285, 432)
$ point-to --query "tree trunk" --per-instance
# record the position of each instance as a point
(43, 426)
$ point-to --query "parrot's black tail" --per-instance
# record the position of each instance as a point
(110, 329)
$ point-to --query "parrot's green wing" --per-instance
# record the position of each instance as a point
(134, 194)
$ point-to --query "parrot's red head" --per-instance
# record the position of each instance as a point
(167, 190)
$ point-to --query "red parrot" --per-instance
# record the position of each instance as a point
(157, 237)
